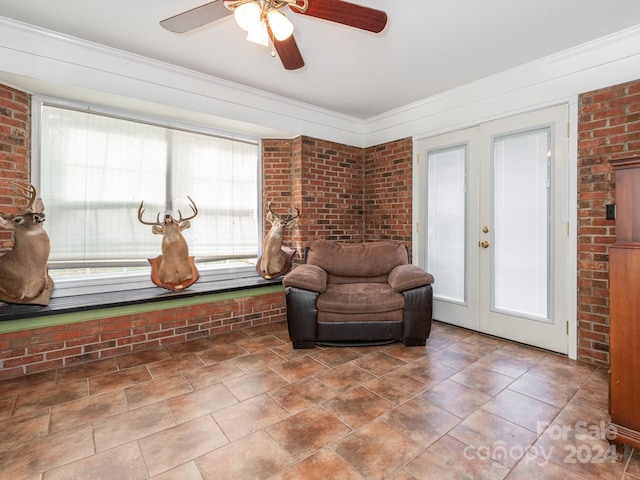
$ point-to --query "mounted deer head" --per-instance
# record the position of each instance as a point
(174, 269)
(274, 259)
(24, 275)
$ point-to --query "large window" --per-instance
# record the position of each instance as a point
(95, 169)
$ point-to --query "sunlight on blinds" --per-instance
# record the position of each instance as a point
(446, 213)
(96, 169)
(521, 166)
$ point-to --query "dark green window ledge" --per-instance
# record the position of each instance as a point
(81, 308)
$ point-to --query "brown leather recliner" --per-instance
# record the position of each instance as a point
(355, 294)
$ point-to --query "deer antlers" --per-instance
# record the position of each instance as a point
(141, 210)
(286, 219)
(193, 208)
(27, 192)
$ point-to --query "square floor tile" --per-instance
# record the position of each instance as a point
(421, 421)
(302, 395)
(308, 431)
(344, 377)
(483, 380)
(121, 462)
(456, 398)
(254, 383)
(377, 449)
(201, 402)
(525, 411)
(357, 406)
(489, 433)
(257, 457)
(450, 458)
(156, 391)
(87, 410)
(176, 445)
(249, 416)
(132, 425)
(322, 465)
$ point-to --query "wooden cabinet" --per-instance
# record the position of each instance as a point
(624, 302)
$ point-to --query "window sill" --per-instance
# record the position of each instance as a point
(97, 301)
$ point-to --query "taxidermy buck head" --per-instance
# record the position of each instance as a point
(24, 276)
(274, 259)
(174, 269)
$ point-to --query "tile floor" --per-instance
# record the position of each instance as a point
(245, 405)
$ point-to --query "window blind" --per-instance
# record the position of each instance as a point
(96, 169)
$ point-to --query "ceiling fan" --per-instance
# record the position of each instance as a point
(264, 21)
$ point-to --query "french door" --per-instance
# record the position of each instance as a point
(496, 213)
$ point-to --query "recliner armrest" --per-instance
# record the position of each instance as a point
(406, 277)
(306, 277)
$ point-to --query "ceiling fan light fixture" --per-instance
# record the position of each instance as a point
(281, 26)
(247, 15)
(259, 34)
(265, 23)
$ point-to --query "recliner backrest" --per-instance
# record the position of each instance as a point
(368, 259)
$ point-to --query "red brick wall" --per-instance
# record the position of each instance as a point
(344, 193)
(278, 183)
(15, 149)
(331, 191)
(388, 194)
(609, 128)
(277, 163)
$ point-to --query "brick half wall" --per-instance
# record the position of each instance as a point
(106, 333)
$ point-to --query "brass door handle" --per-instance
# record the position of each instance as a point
(483, 244)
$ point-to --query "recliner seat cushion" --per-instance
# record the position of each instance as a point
(360, 298)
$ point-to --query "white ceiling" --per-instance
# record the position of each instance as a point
(428, 46)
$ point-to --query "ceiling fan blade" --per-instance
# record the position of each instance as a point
(346, 13)
(289, 53)
(196, 17)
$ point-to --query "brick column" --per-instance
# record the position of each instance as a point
(388, 171)
(608, 128)
(15, 149)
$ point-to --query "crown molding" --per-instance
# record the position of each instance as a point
(44, 62)
(607, 61)
(53, 62)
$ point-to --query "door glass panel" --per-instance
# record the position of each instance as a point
(446, 229)
(520, 246)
